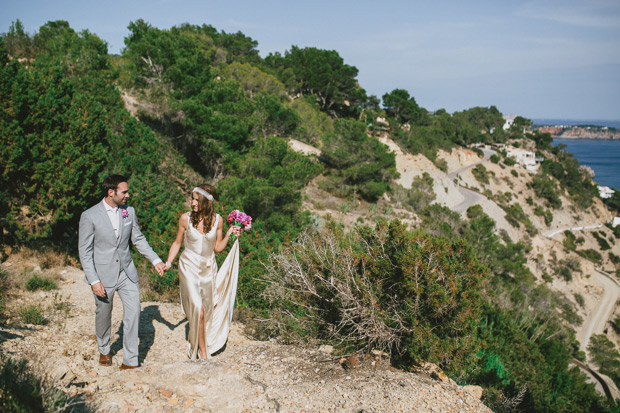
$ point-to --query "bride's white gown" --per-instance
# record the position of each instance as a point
(202, 285)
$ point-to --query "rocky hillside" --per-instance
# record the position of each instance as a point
(591, 291)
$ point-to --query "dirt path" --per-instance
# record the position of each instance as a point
(247, 376)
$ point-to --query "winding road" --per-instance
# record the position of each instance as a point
(470, 197)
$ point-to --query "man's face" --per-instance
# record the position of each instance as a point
(119, 197)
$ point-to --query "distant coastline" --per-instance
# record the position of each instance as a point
(566, 129)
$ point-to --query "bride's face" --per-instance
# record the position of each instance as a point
(194, 202)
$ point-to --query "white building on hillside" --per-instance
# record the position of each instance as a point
(605, 192)
(509, 120)
(526, 159)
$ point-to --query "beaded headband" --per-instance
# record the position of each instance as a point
(203, 193)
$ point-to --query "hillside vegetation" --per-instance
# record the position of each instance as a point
(478, 293)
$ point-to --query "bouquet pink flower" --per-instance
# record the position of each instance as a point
(241, 219)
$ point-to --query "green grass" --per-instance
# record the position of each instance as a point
(35, 283)
(32, 314)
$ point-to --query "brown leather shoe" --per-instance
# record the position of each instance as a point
(105, 359)
(126, 367)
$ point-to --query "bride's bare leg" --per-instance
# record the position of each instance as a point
(202, 350)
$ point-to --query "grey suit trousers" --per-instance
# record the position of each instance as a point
(129, 293)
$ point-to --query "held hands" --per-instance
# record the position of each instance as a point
(160, 267)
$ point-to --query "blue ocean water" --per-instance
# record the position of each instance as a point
(602, 155)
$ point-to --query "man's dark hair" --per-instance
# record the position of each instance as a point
(112, 182)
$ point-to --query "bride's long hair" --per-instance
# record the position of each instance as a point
(206, 210)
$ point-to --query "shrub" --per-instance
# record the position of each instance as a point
(602, 242)
(604, 354)
(36, 282)
(412, 294)
(569, 240)
(580, 300)
(546, 214)
(494, 158)
(515, 214)
(22, 391)
(481, 174)
(591, 255)
(32, 314)
(509, 161)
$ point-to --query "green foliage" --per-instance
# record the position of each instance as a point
(481, 174)
(591, 255)
(509, 161)
(32, 314)
(314, 124)
(364, 164)
(53, 136)
(567, 171)
(18, 43)
(516, 216)
(543, 140)
(579, 299)
(603, 353)
(442, 130)
(616, 325)
(36, 282)
(544, 187)
(419, 196)
(402, 107)
(323, 74)
(569, 240)
(266, 183)
(494, 158)
(545, 213)
(602, 242)
(522, 353)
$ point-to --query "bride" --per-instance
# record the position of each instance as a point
(207, 295)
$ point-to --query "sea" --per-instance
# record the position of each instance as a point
(602, 155)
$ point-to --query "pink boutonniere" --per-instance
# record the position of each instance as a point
(124, 213)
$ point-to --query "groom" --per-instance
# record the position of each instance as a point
(105, 231)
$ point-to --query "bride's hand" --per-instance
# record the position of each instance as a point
(236, 229)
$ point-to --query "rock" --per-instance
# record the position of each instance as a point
(350, 362)
(327, 349)
(61, 373)
(475, 391)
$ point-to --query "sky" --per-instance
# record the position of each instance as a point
(538, 59)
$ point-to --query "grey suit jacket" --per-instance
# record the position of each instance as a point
(102, 254)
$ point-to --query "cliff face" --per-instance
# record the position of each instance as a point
(580, 132)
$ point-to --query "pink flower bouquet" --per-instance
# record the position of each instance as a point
(241, 219)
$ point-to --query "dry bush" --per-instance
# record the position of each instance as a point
(339, 296)
(416, 296)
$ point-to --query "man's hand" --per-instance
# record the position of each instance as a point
(160, 267)
(98, 289)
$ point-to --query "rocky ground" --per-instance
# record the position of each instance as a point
(247, 376)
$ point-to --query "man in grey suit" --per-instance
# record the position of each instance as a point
(104, 235)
